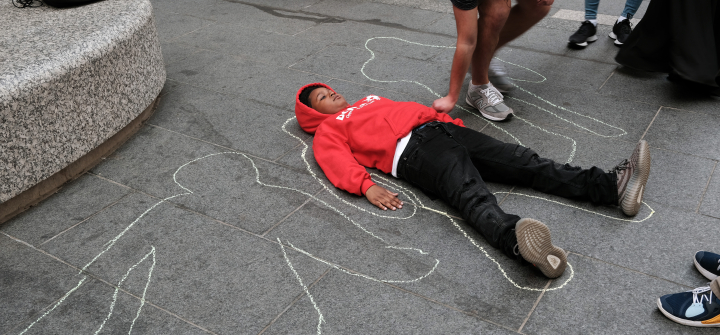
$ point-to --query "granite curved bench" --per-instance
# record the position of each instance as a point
(75, 83)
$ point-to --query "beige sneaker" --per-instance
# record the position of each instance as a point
(536, 247)
(489, 101)
(632, 175)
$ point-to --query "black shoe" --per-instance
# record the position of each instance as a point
(586, 33)
(621, 31)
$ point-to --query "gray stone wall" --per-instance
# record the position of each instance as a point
(69, 80)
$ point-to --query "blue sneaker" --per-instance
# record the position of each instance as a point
(708, 264)
(698, 308)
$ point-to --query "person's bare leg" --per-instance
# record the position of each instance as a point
(522, 17)
(493, 16)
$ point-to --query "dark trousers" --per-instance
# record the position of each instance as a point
(453, 163)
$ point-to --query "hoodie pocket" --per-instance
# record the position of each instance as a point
(400, 126)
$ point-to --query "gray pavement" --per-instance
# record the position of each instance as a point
(215, 218)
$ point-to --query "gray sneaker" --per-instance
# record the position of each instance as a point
(535, 244)
(497, 74)
(632, 175)
(489, 101)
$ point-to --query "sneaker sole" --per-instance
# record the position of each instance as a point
(487, 116)
(706, 273)
(536, 247)
(613, 36)
(632, 200)
(588, 40)
(683, 321)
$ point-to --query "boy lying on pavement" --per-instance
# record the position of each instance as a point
(437, 154)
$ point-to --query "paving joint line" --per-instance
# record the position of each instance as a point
(299, 145)
(39, 312)
(294, 211)
(215, 144)
(86, 219)
(629, 269)
(535, 305)
(651, 122)
(302, 294)
(86, 273)
(477, 316)
(702, 197)
(606, 80)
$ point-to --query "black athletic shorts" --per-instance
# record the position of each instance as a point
(465, 4)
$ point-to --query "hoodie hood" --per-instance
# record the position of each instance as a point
(308, 118)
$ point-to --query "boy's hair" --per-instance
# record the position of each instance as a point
(305, 94)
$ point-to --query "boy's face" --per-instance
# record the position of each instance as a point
(326, 101)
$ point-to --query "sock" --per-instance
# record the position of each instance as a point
(621, 19)
(478, 87)
(594, 22)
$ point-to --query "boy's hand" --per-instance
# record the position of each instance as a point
(444, 105)
(383, 198)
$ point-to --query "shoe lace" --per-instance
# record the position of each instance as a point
(702, 290)
(492, 95)
(620, 167)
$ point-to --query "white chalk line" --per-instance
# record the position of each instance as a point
(358, 274)
(570, 157)
(109, 244)
(652, 211)
(307, 292)
(416, 201)
(117, 288)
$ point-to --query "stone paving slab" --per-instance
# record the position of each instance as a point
(606, 299)
(233, 69)
(655, 88)
(174, 51)
(29, 282)
(678, 180)
(232, 39)
(698, 139)
(75, 202)
(580, 110)
(342, 62)
(223, 120)
(662, 246)
(351, 305)
(711, 200)
(143, 165)
(86, 310)
(193, 274)
(237, 76)
(171, 25)
(605, 7)
(356, 34)
(367, 245)
(556, 42)
(377, 13)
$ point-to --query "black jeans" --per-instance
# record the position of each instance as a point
(454, 162)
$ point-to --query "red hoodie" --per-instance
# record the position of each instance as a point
(363, 135)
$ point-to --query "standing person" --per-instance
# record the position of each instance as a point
(680, 38)
(588, 29)
(477, 41)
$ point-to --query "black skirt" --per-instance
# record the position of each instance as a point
(680, 37)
